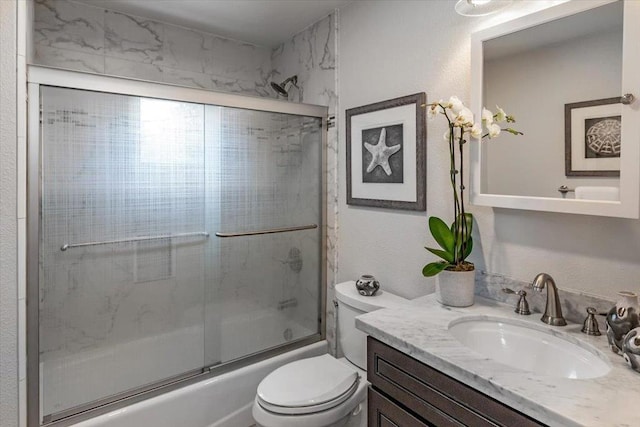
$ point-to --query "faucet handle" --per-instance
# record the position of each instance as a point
(523, 306)
(590, 326)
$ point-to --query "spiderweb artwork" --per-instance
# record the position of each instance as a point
(602, 137)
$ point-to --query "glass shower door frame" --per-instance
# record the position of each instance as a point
(43, 76)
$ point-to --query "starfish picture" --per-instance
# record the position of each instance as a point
(380, 153)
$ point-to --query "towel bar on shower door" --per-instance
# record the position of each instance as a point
(134, 239)
(269, 231)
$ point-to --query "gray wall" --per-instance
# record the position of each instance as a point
(393, 48)
(8, 217)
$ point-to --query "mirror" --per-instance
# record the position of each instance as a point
(561, 73)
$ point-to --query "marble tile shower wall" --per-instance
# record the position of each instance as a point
(86, 38)
(312, 56)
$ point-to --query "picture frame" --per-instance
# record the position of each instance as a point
(593, 137)
(386, 154)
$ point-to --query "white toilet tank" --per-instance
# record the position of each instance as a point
(351, 304)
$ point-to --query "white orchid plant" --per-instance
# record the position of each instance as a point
(455, 241)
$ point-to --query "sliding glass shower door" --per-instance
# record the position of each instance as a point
(264, 176)
(174, 237)
(118, 304)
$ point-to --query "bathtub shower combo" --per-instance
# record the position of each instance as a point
(175, 235)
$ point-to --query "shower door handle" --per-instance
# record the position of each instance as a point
(268, 231)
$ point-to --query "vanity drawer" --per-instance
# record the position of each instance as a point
(433, 395)
(382, 412)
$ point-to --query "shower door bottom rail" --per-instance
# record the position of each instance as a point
(268, 231)
(133, 239)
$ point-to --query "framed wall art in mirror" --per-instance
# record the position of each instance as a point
(568, 74)
(592, 137)
(386, 154)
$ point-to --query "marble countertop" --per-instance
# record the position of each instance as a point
(421, 331)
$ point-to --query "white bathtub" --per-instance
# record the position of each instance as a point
(222, 401)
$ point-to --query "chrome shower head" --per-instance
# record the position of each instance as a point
(281, 88)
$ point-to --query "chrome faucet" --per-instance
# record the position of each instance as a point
(553, 311)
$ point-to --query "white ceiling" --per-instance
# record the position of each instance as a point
(261, 22)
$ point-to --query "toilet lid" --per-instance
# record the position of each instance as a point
(308, 385)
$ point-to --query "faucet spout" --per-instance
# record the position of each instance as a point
(553, 311)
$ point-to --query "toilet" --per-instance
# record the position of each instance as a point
(324, 391)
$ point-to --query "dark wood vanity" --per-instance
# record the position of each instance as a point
(407, 393)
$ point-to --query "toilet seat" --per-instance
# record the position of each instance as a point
(311, 409)
(308, 386)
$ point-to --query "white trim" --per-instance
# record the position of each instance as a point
(120, 85)
(629, 204)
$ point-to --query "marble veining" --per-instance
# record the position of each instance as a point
(81, 37)
(421, 331)
(71, 59)
(186, 49)
(132, 38)
(311, 55)
(126, 68)
(69, 25)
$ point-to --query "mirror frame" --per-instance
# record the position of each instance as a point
(629, 204)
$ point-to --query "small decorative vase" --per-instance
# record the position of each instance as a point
(631, 349)
(621, 319)
(367, 285)
(456, 288)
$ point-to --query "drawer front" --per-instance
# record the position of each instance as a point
(433, 395)
(382, 412)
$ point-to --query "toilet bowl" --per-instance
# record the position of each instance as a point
(315, 392)
(324, 391)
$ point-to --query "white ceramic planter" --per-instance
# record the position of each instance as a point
(456, 288)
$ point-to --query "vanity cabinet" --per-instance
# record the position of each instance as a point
(406, 393)
(383, 412)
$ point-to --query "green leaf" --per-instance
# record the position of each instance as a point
(456, 227)
(441, 233)
(468, 248)
(514, 132)
(469, 220)
(461, 234)
(447, 256)
(434, 268)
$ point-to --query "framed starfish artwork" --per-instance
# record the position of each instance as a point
(386, 154)
(592, 137)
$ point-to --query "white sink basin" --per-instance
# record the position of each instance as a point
(530, 348)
